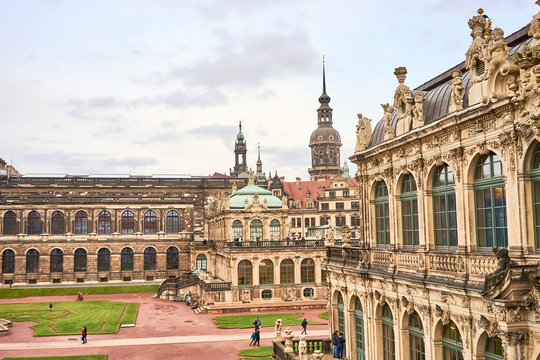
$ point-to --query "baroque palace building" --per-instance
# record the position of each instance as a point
(447, 266)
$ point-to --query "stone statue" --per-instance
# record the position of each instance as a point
(477, 50)
(277, 331)
(363, 133)
(496, 277)
(534, 30)
(418, 109)
(403, 102)
(302, 348)
(329, 235)
(346, 233)
(317, 355)
(388, 111)
(288, 337)
(458, 91)
(497, 51)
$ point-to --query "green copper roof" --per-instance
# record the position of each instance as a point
(240, 136)
(238, 199)
(345, 170)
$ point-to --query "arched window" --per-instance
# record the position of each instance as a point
(57, 260)
(340, 313)
(535, 176)
(490, 201)
(494, 349)
(359, 330)
(150, 222)
(104, 222)
(275, 230)
(307, 271)
(382, 220)
(416, 338)
(388, 333)
(32, 261)
(444, 208)
(57, 222)
(34, 223)
(104, 259)
(149, 258)
(79, 260)
(245, 273)
(201, 262)
(451, 342)
(266, 272)
(286, 272)
(172, 258)
(126, 259)
(237, 229)
(255, 230)
(128, 222)
(409, 212)
(8, 261)
(10, 223)
(172, 222)
(81, 222)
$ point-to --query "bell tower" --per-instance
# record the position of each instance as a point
(240, 151)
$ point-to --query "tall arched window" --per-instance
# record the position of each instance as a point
(104, 222)
(126, 259)
(494, 349)
(32, 261)
(57, 260)
(255, 230)
(359, 330)
(451, 342)
(172, 258)
(128, 222)
(10, 223)
(34, 223)
(57, 222)
(416, 338)
(535, 177)
(237, 229)
(490, 201)
(104, 259)
(409, 212)
(172, 222)
(286, 272)
(389, 352)
(8, 261)
(266, 272)
(275, 229)
(382, 219)
(149, 258)
(340, 313)
(444, 208)
(245, 273)
(307, 271)
(201, 262)
(150, 222)
(81, 222)
(79, 260)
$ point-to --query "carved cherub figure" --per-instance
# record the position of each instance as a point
(458, 91)
(388, 111)
(277, 330)
(504, 262)
(302, 348)
(497, 50)
(418, 109)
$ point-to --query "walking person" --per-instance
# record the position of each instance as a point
(252, 339)
(304, 326)
(334, 344)
(340, 346)
(50, 306)
(257, 323)
(83, 335)
(257, 337)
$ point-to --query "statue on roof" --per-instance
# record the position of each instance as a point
(403, 102)
(329, 235)
(458, 91)
(476, 55)
(418, 109)
(534, 29)
(363, 133)
(388, 111)
(497, 51)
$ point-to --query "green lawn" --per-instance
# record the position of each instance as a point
(80, 357)
(246, 321)
(256, 353)
(68, 318)
(324, 315)
(19, 293)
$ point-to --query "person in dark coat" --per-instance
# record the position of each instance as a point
(257, 337)
(83, 335)
(334, 344)
(340, 346)
(304, 326)
(50, 306)
(257, 323)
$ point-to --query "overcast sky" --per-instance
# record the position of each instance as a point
(158, 86)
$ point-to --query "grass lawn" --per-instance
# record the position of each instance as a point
(81, 357)
(68, 318)
(246, 321)
(256, 353)
(87, 290)
(324, 315)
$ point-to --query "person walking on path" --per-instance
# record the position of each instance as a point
(340, 346)
(257, 323)
(50, 306)
(252, 339)
(257, 337)
(304, 326)
(83, 335)
(334, 344)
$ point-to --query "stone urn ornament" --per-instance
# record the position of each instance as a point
(288, 337)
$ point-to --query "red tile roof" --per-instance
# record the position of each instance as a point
(299, 191)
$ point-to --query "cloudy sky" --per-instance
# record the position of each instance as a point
(158, 86)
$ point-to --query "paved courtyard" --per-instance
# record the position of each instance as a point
(164, 330)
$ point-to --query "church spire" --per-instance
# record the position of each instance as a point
(324, 111)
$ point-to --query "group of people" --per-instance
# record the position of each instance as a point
(256, 335)
(338, 343)
(188, 298)
(292, 240)
(79, 296)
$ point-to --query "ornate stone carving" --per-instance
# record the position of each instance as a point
(346, 235)
(458, 91)
(277, 331)
(491, 328)
(317, 355)
(388, 111)
(329, 235)
(418, 109)
(497, 277)
(477, 50)
(363, 133)
(302, 348)
(288, 337)
(403, 102)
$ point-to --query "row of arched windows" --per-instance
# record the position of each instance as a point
(266, 272)
(104, 224)
(256, 230)
(80, 260)
(452, 344)
(489, 202)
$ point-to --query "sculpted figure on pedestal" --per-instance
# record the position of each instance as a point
(288, 337)
(388, 111)
(475, 58)
(277, 330)
(418, 110)
(329, 235)
(458, 91)
(363, 133)
(497, 51)
(302, 348)
(403, 102)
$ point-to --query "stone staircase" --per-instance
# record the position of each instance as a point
(5, 324)
(201, 310)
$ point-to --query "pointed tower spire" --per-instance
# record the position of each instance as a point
(323, 77)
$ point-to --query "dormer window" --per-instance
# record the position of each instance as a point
(480, 67)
